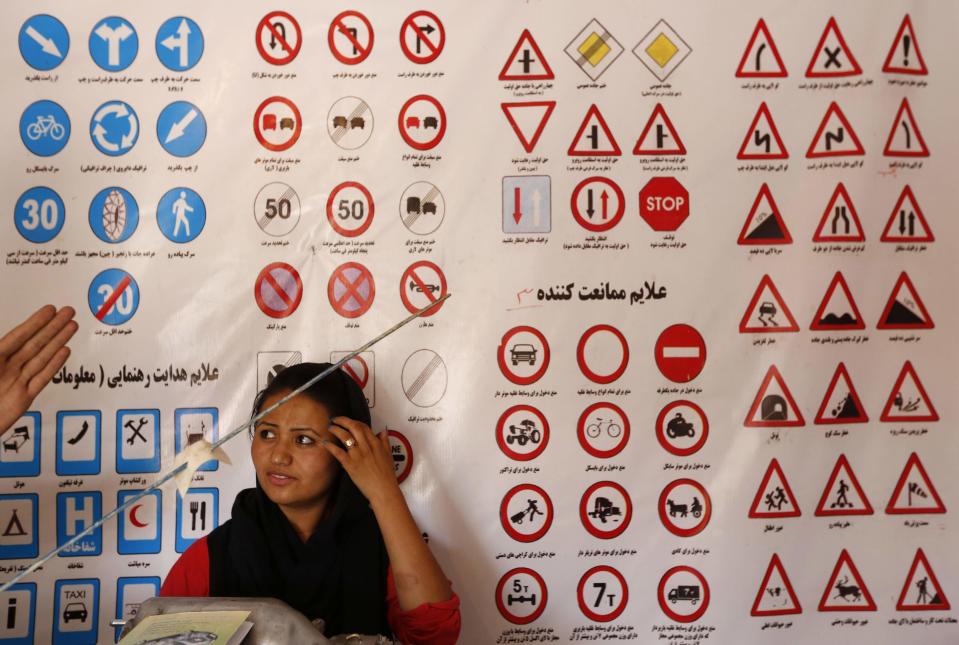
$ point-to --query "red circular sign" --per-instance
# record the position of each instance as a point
(590, 607)
(431, 118)
(592, 209)
(278, 290)
(357, 368)
(358, 211)
(671, 510)
(402, 453)
(523, 353)
(423, 283)
(274, 37)
(516, 592)
(602, 437)
(422, 41)
(679, 435)
(605, 511)
(510, 436)
(264, 120)
(680, 353)
(351, 290)
(664, 203)
(359, 50)
(512, 518)
(581, 354)
(692, 594)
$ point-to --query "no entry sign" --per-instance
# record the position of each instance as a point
(664, 203)
(680, 353)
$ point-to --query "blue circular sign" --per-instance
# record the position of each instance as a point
(114, 215)
(114, 128)
(113, 43)
(44, 128)
(181, 215)
(39, 214)
(179, 44)
(44, 42)
(113, 296)
(181, 129)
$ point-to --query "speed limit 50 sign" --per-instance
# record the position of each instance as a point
(350, 209)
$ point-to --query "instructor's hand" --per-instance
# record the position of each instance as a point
(368, 461)
(30, 355)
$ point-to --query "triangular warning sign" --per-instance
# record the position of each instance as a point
(774, 406)
(906, 222)
(528, 120)
(594, 137)
(840, 221)
(835, 137)
(764, 224)
(914, 492)
(659, 137)
(905, 310)
(841, 403)
(832, 56)
(761, 58)
(843, 495)
(904, 55)
(921, 590)
(774, 498)
(908, 400)
(526, 62)
(14, 527)
(905, 140)
(846, 590)
(838, 310)
(762, 138)
(776, 596)
(767, 312)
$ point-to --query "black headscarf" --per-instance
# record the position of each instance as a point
(339, 574)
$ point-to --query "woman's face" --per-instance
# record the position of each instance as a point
(293, 468)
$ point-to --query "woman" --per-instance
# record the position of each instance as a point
(326, 529)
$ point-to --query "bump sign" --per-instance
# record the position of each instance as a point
(422, 122)
(181, 215)
(113, 297)
(44, 42)
(181, 129)
(422, 283)
(278, 290)
(523, 355)
(39, 214)
(44, 128)
(680, 353)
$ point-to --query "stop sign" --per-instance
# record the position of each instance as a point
(664, 203)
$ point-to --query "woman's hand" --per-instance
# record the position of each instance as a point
(368, 461)
(30, 355)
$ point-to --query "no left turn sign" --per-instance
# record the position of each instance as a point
(350, 37)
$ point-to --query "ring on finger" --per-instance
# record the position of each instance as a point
(349, 443)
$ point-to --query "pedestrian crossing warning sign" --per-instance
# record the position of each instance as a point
(904, 56)
(921, 590)
(838, 310)
(843, 495)
(906, 222)
(761, 58)
(905, 140)
(526, 62)
(840, 221)
(905, 309)
(908, 400)
(774, 497)
(762, 138)
(767, 311)
(841, 403)
(774, 406)
(914, 492)
(776, 596)
(764, 224)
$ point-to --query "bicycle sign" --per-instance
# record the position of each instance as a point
(603, 430)
(45, 128)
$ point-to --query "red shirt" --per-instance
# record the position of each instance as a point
(432, 623)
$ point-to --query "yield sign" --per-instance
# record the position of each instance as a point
(838, 310)
(526, 62)
(528, 120)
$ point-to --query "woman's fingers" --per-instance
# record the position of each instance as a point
(38, 363)
(338, 453)
(360, 432)
(20, 334)
(345, 436)
(35, 344)
(40, 380)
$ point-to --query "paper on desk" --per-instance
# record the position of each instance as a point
(200, 627)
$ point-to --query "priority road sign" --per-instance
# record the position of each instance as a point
(664, 203)
(594, 49)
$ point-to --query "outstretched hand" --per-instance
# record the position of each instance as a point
(368, 461)
(30, 355)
